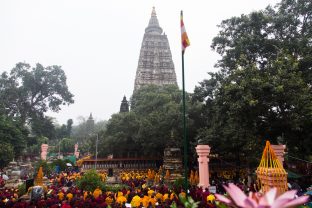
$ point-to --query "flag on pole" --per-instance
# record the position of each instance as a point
(184, 39)
(184, 43)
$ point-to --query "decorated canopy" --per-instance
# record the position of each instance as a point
(270, 172)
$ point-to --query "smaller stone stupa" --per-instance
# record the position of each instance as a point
(13, 173)
(124, 106)
(172, 160)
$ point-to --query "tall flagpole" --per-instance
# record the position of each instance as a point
(185, 43)
(184, 127)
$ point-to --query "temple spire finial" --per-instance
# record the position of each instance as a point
(153, 11)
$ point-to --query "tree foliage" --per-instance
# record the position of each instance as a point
(13, 134)
(159, 111)
(43, 126)
(26, 94)
(156, 114)
(67, 145)
(34, 144)
(6, 154)
(263, 89)
(30, 92)
(69, 127)
(65, 130)
(86, 139)
(120, 136)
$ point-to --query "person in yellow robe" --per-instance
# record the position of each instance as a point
(85, 195)
(60, 195)
(69, 196)
(97, 192)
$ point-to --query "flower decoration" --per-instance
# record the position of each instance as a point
(256, 200)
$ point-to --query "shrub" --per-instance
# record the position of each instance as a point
(22, 189)
(90, 181)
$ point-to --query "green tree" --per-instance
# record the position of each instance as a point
(69, 127)
(159, 111)
(64, 130)
(84, 137)
(80, 131)
(262, 35)
(43, 126)
(156, 113)
(6, 154)
(119, 138)
(263, 88)
(100, 126)
(34, 144)
(13, 133)
(67, 145)
(30, 92)
(61, 131)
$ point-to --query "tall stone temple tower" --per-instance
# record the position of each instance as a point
(155, 64)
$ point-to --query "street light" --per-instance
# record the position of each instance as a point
(96, 147)
(59, 149)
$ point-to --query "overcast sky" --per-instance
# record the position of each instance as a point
(98, 42)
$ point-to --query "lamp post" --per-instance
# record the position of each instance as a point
(59, 149)
(96, 149)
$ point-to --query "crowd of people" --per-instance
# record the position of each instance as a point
(62, 192)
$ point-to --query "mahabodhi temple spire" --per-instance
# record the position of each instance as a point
(155, 64)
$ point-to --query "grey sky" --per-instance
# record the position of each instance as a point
(98, 42)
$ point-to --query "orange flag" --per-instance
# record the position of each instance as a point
(184, 39)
